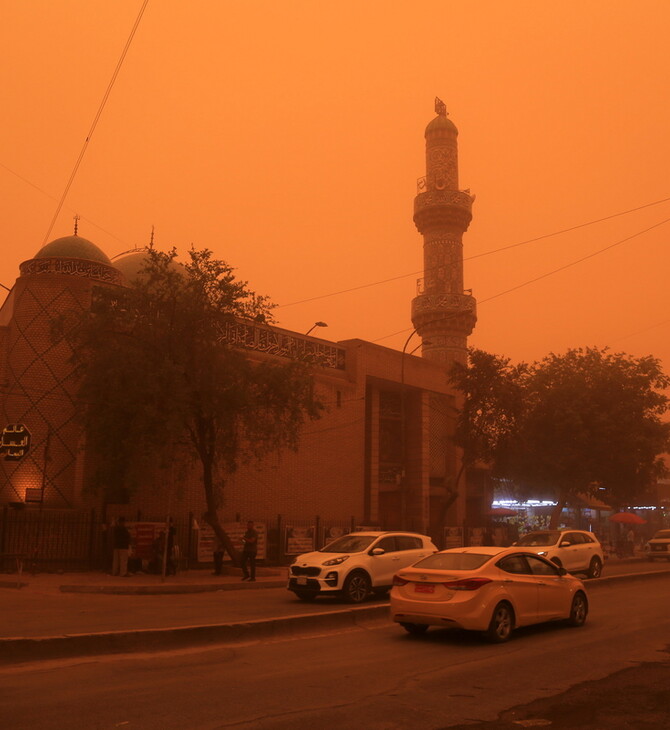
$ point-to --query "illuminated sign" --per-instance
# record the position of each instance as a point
(15, 441)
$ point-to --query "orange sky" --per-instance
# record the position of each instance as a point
(288, 136)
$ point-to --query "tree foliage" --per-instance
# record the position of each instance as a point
(160, 380)
(570, 424)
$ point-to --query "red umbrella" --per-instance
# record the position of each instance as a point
(628, 518)
(502, 512)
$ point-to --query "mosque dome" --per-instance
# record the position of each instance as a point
(440, 123)
(72, 247)
(131, 264)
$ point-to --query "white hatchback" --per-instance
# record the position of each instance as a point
(578, 551)
(356, 565)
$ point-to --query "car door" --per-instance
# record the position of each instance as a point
(383, 567)
(552, 594)
(521, 586)
(410, 550)
(569, 551)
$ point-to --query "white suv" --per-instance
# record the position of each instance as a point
(356, 564)
(577, 551)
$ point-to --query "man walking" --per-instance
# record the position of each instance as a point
(121, 545)
(250, 540)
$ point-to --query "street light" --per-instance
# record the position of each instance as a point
(316, 324)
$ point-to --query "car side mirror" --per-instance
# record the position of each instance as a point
(377, 551)
(562, 571)
(513, 544)
(565, 543)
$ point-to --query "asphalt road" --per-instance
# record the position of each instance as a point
(30, 613)
(373, 677)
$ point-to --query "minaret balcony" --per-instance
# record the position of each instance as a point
(459, 310)
(435, 208)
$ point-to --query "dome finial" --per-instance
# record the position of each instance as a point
(440, 107)
(76, 219)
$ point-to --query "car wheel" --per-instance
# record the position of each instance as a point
(305, 596)
(502, 624)
(415, 628)
(356, 587)
(579, 610)
(595, 569)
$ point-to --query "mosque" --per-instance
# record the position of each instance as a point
(382, 454)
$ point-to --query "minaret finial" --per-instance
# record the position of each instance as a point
(440, 107)
(151, 241)
(76, 223)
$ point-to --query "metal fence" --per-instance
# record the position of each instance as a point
(48, 540)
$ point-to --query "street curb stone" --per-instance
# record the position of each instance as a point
(19, 649)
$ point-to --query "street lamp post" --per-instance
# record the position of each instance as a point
(316, 324)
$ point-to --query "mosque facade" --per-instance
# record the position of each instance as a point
(382, 455)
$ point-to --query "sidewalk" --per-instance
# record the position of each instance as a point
(191, 581)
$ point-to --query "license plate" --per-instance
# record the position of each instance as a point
(658, 547)
(424, 588)
(301, 580)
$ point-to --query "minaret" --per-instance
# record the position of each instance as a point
(442, 313)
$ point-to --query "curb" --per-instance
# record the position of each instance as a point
(16, 650)
(614, 579)
(164, 589)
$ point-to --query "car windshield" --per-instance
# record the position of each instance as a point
(539, 539)
(453, 561)
(349, 544)
(662, 533)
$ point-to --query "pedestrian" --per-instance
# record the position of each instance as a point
(250, 541)
(217, 553)
(121, 546)
(630, 540)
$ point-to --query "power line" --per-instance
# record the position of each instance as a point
(549, 273)
(53, 197)
(96, 119)
(479, 255)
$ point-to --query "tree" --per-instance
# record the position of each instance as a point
(585, 420)
(160, 380)
(492, 389)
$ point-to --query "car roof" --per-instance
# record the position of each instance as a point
(371, 533)
(479, 549)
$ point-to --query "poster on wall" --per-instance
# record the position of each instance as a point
(330, 534)
(235, 531)
(476, 536)
(144, 538)
(299, 540)
(453, 537)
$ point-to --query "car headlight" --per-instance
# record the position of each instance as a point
(544, 553)
(337, 561)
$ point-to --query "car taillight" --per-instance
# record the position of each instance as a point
(398, 581)
(466, 584)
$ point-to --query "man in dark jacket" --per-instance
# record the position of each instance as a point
(250, 541)
(121, 545)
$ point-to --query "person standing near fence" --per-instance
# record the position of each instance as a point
(121, 546)
(250, 541)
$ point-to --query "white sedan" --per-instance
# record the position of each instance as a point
(489, 589)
